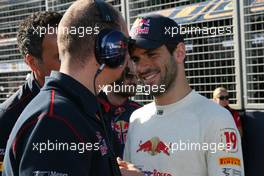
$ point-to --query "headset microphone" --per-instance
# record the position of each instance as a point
(99, 70)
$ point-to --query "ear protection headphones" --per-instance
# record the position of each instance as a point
(111, 46)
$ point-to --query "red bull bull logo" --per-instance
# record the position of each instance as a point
(141, 26)
(121, 128)
(142, 22)
(154, 146)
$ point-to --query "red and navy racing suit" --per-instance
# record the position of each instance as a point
(118, 118)
(58, 133)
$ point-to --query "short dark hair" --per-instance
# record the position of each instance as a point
(171, 47)
(83, 14)
(28, 38)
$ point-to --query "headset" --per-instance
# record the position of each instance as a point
(111, 47)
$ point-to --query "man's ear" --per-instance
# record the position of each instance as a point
(180, 53)
(31, 61)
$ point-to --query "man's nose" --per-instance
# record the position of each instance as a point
(142, 65)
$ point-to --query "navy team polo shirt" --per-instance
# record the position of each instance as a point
(60, 119)
(117, 117)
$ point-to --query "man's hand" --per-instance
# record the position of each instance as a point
(128, 169)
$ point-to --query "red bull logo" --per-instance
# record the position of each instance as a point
(154, 146)
(141, 22)
(121, 127)
(140, 26)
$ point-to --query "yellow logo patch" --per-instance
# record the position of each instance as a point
(229, 161)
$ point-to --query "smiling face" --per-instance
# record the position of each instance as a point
(155, 67)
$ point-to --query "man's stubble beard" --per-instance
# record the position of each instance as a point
(168, 79)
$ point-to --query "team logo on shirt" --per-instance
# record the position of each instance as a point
(229, 161)
(102, 144)
(48, 173)
(121, 128)
(154, 146)
(229, 137)
(230, 172)
(156, 173)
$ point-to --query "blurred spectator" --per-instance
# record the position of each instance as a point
(221, 97)
(118, 108)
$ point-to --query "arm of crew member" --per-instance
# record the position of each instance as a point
(227, 159)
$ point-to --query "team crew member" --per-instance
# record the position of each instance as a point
(221, 97)
(179, 116)
(118, 107)
(40, 52)
(59, 132)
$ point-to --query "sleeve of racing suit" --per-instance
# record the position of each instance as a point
(54, 149)
(227, 159)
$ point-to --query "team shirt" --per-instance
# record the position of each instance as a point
(58, 133)
(192, 137)
(11, 109)
(117, 118)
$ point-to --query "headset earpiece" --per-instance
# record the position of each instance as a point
(111, 48)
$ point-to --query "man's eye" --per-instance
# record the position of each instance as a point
(152, 54)
(134, 59)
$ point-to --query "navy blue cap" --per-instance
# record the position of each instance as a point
(154, 31)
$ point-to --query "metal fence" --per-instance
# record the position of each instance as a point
(210, 61)
(231, 57)
(252, 46)
(13, 70)
(62, 5)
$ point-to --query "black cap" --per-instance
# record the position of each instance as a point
(155, 30)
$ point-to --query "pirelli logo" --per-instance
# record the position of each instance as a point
(1, 166)
(229, 161)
